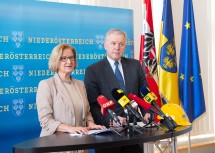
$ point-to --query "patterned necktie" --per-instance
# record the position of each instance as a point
(119, 77)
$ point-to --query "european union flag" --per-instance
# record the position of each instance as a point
(190, 81)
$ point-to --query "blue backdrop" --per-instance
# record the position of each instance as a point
(28, 32)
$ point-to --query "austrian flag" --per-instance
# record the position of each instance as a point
(148, 57)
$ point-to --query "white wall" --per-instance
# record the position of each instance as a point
(205, 30)
(211, 56)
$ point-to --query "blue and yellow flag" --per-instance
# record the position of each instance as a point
(190, 81)
(167, 63)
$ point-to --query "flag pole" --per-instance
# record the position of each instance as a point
(189, 143)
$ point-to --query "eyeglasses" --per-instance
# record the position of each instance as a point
(65, 58)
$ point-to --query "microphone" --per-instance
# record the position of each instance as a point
(139, 101)
(143, 104)
(107, 106)
(119, 96)
(150, 97)
(133, 104)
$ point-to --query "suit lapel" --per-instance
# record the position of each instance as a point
(109, 75)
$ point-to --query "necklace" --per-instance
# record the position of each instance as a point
(68, 81)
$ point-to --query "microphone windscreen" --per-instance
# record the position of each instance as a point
(105, 104)
(139, 101)
(148, 96)
(117, 93)
(119, 96)
(101, 100)
(144, 91)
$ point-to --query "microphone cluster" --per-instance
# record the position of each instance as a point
(130, 103)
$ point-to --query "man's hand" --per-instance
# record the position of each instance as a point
(147, 117)
(122, 121)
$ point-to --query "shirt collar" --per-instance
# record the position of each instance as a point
(112, 61)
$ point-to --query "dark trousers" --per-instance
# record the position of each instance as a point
(124, 149)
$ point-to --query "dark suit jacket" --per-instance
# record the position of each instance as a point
(100, 80)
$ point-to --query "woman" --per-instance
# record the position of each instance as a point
(62, 100)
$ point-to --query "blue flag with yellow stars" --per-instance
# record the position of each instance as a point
(190, 81)
(167, 63)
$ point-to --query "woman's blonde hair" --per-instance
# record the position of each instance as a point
(56, 53)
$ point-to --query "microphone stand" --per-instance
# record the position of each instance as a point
(130, 129)
(135, 126)
(127, 126)
(152, 123)
(169, 123)
(112, 128)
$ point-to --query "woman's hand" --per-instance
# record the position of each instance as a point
(78, 130)
(71, 129)
(92, 126)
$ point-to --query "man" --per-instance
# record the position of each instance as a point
(100, 79)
